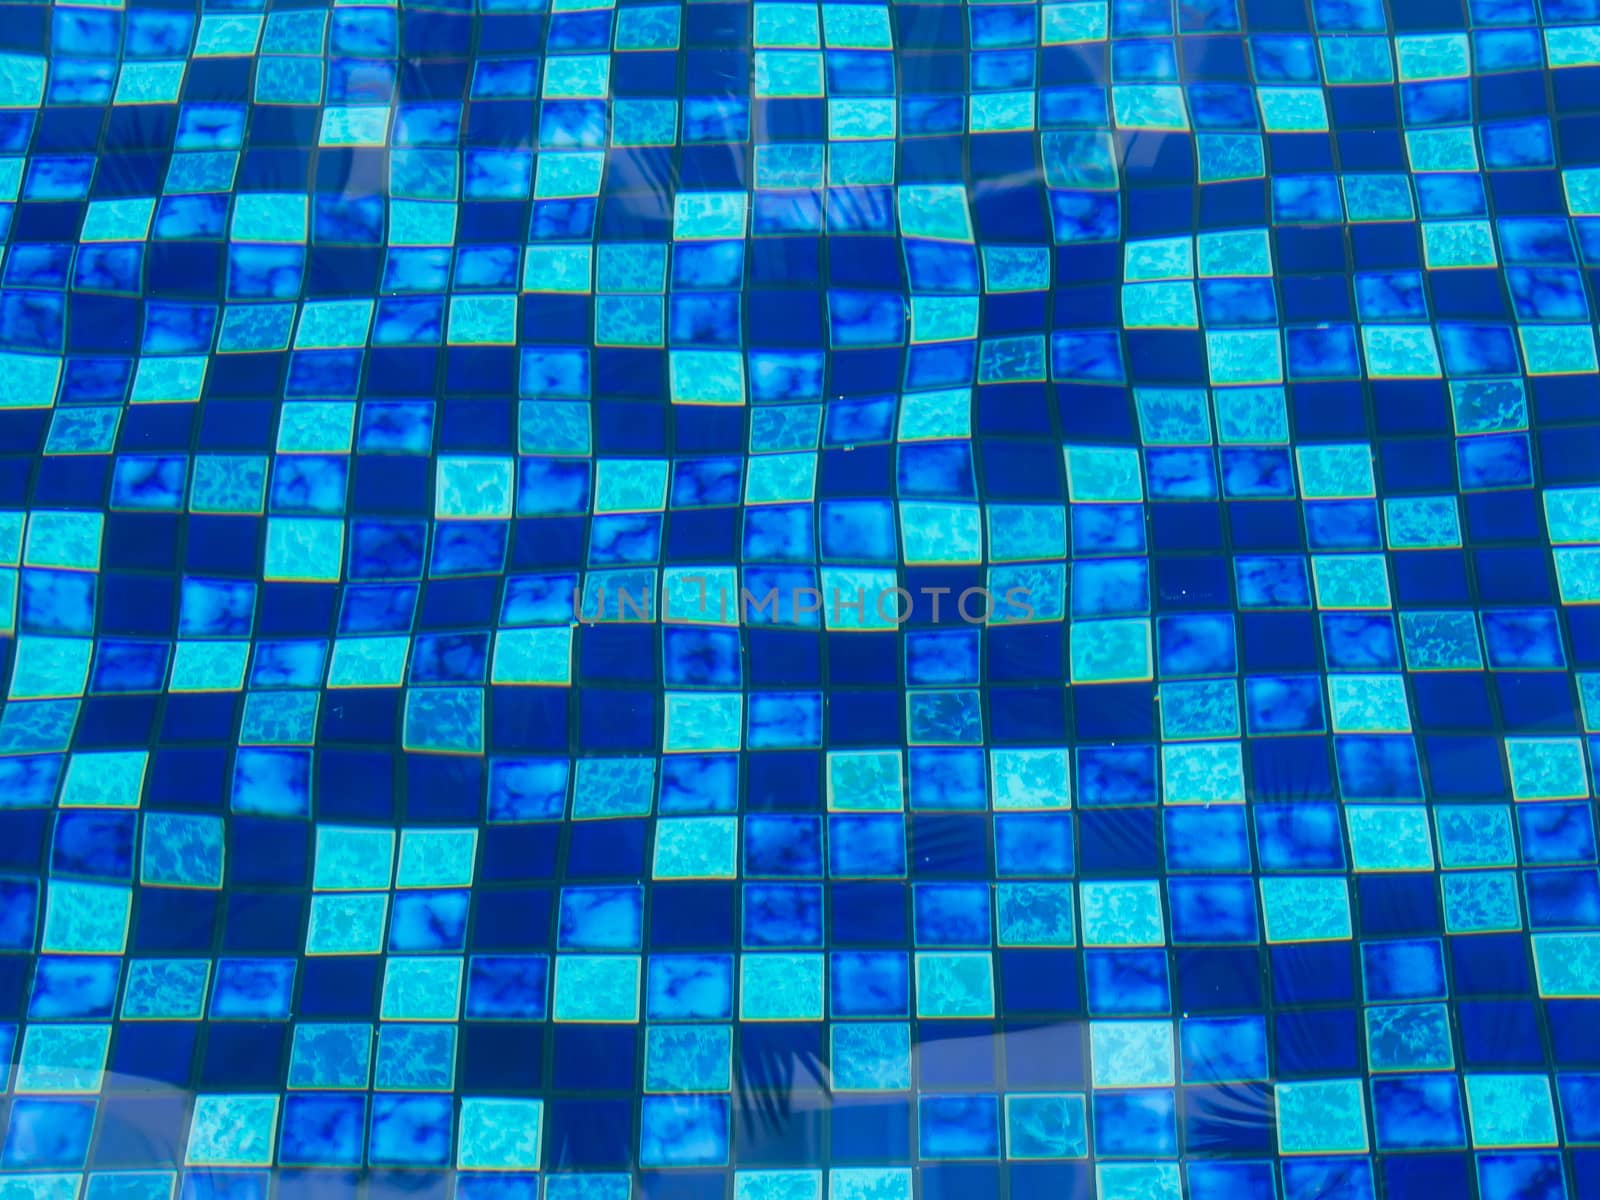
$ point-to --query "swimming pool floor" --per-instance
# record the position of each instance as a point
(722, 601)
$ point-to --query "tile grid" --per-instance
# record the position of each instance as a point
(1240, 355)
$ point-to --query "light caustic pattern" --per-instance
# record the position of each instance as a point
(397, 790)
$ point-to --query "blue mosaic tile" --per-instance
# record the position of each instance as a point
(680, 600)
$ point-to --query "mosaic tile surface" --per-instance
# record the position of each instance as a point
(704, 601)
